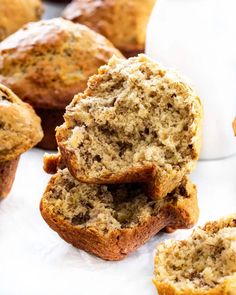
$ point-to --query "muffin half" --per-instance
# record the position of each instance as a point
(111, 221)
(136, 122)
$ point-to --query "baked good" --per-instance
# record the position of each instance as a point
(52, 163)
(20, 130)
(47, 62)
(112, 221)
(123, 22)
(15, 13)
(204, 264)
(136, 122)
(234, 126)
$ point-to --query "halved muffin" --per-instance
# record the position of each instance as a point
(111, 221)
(136, 122)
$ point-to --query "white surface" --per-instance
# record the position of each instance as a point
(35, 260)
(196, 38)
(53, 9)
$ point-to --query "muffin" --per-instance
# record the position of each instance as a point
(20, 130)
(113, 221)
(123, 22)
(46, 63)
(204, 264)
(234, 126)
(15, 13)
(136, 122)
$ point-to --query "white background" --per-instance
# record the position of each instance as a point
(35, 261)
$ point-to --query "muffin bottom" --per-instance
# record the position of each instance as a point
(7, 176)
(50, 120)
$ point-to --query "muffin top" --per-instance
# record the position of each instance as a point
(123, 22)
(20, 127)
(23, 11)
(47, 62)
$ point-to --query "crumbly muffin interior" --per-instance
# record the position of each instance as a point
(104, 207)
(133, 113)
(203, 261)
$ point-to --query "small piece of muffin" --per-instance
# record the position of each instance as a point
(15, 13)
(46, 63)
(136, 122)
(234, 126)
(204, 264)
(113, 221)
(20, 130)
(123, 22)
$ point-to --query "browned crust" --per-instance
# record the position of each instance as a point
(24, 11)
(234, 126)
(228, 287)
(7, 176)
(22, 127)
(130, 53)
(50, 119)
(52, 162)
(122, 22)
(65, 49)
(119, 243)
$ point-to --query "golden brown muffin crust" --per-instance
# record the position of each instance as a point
(20, 127)
(234, 126)
(7, 176)
(123, 22)
(16, 13)
(47, 62)
(116, 242)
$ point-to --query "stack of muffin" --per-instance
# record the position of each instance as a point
(47, 62)
(126, 147)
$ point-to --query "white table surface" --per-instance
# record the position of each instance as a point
(35, 260)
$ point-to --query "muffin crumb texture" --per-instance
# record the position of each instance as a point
(103, 207)
(202, 262)
(133, 114)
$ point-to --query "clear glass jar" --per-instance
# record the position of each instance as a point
(198, 38)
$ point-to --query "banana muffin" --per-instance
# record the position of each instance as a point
(46, 63)
(204, 264)
(15, 13)
(136, 122)
(20, 130)
(234, 126)
(113, 221)
(123, 22)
